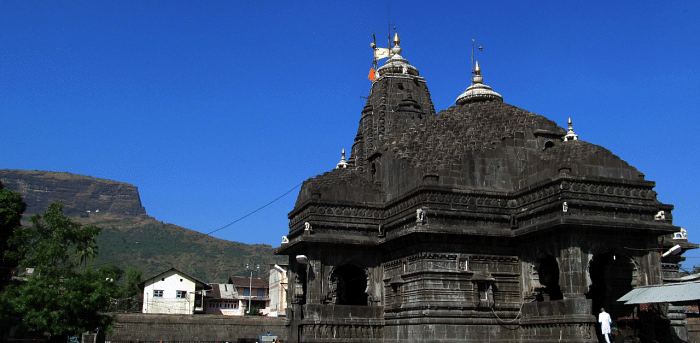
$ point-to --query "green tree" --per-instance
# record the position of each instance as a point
(132, 296)
(11, 209)
(61, 297)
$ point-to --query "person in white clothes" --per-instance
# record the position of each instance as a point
(605, 321)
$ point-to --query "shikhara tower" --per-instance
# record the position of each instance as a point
(481, 222)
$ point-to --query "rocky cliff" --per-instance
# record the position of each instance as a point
(79, 193)
(129, 237)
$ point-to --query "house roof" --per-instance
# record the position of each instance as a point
(245, 282)
(197, 282)
(222, 291)
(669, 293)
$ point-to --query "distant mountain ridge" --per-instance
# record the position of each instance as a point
(79, 193)
(130, 237)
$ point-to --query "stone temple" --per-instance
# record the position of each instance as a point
(483, 222)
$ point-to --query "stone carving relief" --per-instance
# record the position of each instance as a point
(585, 331)
(420, 216)
(332, 295)
(372, 298)
(683, 234)
(298, 289)
(661, 215)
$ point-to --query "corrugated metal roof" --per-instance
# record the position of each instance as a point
(675, 292)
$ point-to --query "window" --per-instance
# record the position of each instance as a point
(181, 294)
(246, 292)
(261, 293)
(157, 293)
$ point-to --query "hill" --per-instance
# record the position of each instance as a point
(129, 236)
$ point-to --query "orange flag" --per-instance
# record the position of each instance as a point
(372, 74)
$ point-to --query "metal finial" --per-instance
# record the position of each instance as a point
(396, 50)
(342, 163)
(570, 135)
(477, 74)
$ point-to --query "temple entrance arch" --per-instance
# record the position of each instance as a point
(349, 285)
(547, 269)
(612, 276)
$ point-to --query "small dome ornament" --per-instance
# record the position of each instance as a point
(478, 91)
(396, 64)
(570, 135)
(342, 163)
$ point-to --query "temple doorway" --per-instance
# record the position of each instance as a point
(611, 277)
(350, 285)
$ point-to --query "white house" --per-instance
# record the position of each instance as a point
(173, 292)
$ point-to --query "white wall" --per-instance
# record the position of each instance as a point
(278, 292)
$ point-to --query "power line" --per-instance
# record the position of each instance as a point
(268, 204)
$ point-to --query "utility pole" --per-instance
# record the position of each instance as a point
(250, 286)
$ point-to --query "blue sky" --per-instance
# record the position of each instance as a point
(214, 108)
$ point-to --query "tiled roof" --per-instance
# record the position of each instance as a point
(244, 281)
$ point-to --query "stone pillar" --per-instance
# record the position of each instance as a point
(314, 278)
(572, 279)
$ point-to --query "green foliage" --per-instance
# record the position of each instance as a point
(130, 298)
(254, 311)
(54, 245)
(696, 269)
(11, 209)
(62, 296)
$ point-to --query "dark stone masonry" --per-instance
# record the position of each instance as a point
(481, 223)
(137, 327)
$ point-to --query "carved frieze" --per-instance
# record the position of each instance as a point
(432, 256)
(439, 206)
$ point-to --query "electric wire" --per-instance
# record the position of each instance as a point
(260, 208)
